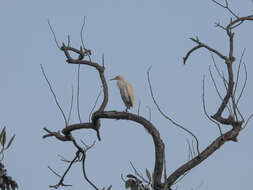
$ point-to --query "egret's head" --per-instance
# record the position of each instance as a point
(118, 77)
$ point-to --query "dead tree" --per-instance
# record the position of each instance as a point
(229, 103)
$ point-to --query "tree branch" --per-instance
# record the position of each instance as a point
(215, 145)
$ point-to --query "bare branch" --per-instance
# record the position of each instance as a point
(68, 40)
(247, 121)
(238, 71)
(81, 33)
(51, 29)
(165, 174)
(234, 23)
(219, 73)
(215, 145)
(56, 135)
(78, 93)
(58, 175)
(189, 52)
(217, 90)
(139, 106)
(149, 111)
(226, 7)
(159, 145)
(168, 118)
(204, 107)
(100, 92)
(214, 83)
(209, 48)
(71, 105)
(217, 24)
(138, 174)
(84, 172)
(244, 84)
(60, 183)
(55, 99)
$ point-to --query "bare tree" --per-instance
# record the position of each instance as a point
(229, 104)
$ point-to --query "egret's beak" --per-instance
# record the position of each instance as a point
(113, 78)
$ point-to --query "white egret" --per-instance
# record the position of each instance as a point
(126, 91)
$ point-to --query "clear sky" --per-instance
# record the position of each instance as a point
(133, 35)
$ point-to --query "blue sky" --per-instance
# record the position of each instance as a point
(132, 35)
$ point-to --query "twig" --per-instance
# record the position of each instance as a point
(71, 105)
(54, 171)
(219, 73)
(81, 33)
(165, 173)
(244, 84)
(149, 110)
(247, 121)
(226, 7)
(122, 178)
(139, 105)
(55, 99)
(238, 71)
(167, 117)
(60, 183)
(138, 174)
(51, 28)
(68, 40)
(204, 107)
(78, 93)
(217, 90)
(100, 92)
(209, 48)
(84, 172)
(189, 53)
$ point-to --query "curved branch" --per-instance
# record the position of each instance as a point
(150, 128)
(204, 107)
(84, 174)
(55, 98)
(164, 115)
(100, 69)
(215, 145)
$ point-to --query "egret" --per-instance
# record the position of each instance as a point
(126, 91)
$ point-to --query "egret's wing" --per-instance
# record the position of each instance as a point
(124, 94)
(130, 93)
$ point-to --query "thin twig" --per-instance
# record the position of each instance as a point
(149, 111)
(68, 40)
(139, 105)
(58, 175)
(138, 174)
(238, 70)
(204, 106)
(165, 173)
(71, 105)
(244, 84)
(190, 153)
(216, 88)
(78, 93)
(100, 92)
(84, 172)
(60, 183)
(51, 28)
(167, 117)
(226, 7)
(81, 33)
(214, 83)
(247, 121)
(218, 71)
(63, 159)
(55, 99)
